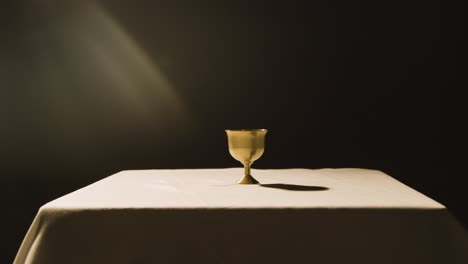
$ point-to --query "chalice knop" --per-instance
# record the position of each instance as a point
(246, 146)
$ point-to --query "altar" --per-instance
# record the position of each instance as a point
(201, 216)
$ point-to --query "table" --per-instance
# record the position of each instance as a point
(201, 216)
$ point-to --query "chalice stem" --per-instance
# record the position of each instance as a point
(247, 178)
(247, 169)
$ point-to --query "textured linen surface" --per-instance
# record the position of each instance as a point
(201, 216)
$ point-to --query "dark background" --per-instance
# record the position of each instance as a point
(89, 88)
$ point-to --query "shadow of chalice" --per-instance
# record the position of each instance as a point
(246, 146)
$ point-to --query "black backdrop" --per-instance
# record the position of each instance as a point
(89, 88)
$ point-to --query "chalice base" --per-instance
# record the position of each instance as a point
(247, 179)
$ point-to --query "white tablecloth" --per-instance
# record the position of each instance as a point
(201, 216)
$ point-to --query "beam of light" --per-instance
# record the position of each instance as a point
(83, 56)
(123, 62)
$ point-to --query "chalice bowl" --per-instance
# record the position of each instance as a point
(246, 146)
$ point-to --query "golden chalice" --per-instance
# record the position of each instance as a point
(246, 146)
